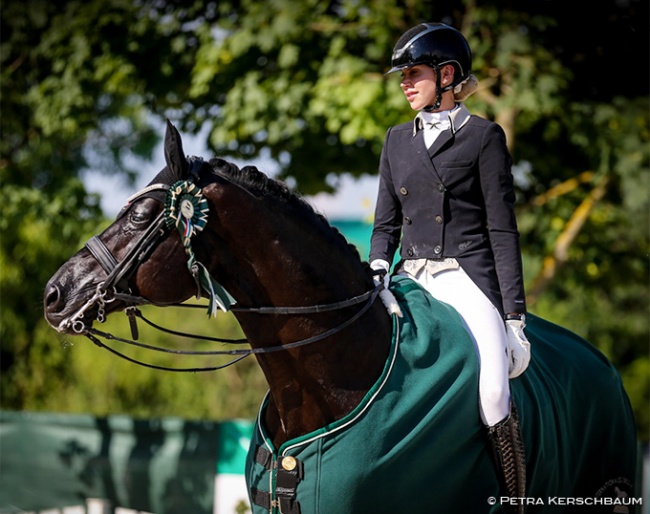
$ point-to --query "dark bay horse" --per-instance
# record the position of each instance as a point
(366, 412)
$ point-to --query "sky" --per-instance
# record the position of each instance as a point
(353, 200)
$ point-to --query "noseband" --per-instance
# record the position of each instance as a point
(189, 219)
(118, 274)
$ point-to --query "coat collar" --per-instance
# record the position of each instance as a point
(458, 117)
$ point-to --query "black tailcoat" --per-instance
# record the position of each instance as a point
(455, 199)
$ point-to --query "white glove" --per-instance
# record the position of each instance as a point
(382, 267)
(383, 277)
(518, 347)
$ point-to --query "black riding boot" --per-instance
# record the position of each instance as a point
(509, 459)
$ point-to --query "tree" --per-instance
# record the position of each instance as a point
(303, 82)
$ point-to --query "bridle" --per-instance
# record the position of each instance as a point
(115, 287)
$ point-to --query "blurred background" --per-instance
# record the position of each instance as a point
(297, 88)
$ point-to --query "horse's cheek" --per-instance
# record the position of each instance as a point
(165, 278)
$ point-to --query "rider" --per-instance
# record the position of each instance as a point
(446, 190)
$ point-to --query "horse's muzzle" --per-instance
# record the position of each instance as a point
(57, 311)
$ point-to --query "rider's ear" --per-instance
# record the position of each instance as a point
(174, 155)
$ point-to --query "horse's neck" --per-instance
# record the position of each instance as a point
(316, 384)
(289, 261)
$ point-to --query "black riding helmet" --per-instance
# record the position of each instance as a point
(435, 45)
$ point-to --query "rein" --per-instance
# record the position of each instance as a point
(369, 297)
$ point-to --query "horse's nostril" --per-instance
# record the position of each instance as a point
(52, 298)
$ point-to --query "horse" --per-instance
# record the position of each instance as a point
(366, 411)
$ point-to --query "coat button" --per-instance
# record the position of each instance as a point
(408, 220)
(410, 252)
(441, 188)
(403, 190)
(437, 250)
(439, 220)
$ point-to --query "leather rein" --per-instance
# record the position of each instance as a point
(115, 287)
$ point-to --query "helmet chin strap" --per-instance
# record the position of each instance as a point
(439, 90)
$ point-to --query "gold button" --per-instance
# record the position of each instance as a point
(289, 463)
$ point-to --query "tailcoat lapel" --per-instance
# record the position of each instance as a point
(421, 151)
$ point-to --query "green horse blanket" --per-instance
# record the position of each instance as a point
(416, 444)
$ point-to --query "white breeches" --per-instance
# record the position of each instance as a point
(487, 328)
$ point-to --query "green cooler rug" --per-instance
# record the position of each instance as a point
(416, 444)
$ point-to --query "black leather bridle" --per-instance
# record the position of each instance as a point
(115, 287)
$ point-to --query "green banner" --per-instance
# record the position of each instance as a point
(161, 466)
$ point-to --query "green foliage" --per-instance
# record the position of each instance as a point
(602, 291)
(514, 71)
(73, 375)
(299, 77)
(38, 233)
(99, 382)
(86, 84)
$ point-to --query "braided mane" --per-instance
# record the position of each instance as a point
(260, 185)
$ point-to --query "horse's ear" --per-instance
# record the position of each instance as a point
(174, 155)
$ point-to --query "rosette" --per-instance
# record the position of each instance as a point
(187, 211)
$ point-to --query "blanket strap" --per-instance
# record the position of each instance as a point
(289, 472)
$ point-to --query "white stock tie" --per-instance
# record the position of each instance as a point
(434, 125)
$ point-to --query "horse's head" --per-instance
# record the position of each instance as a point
(128, 259)
(258, 237)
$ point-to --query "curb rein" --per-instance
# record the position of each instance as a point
(120, 272)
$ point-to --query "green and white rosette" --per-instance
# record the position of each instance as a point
(187, 211)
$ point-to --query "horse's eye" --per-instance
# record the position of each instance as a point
(139, 217)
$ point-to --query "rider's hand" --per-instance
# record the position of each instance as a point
(381, 276)
(518, 347)
(380, 273)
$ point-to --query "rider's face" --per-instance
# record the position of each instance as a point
(419, 85)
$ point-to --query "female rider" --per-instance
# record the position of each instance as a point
(446, 194)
